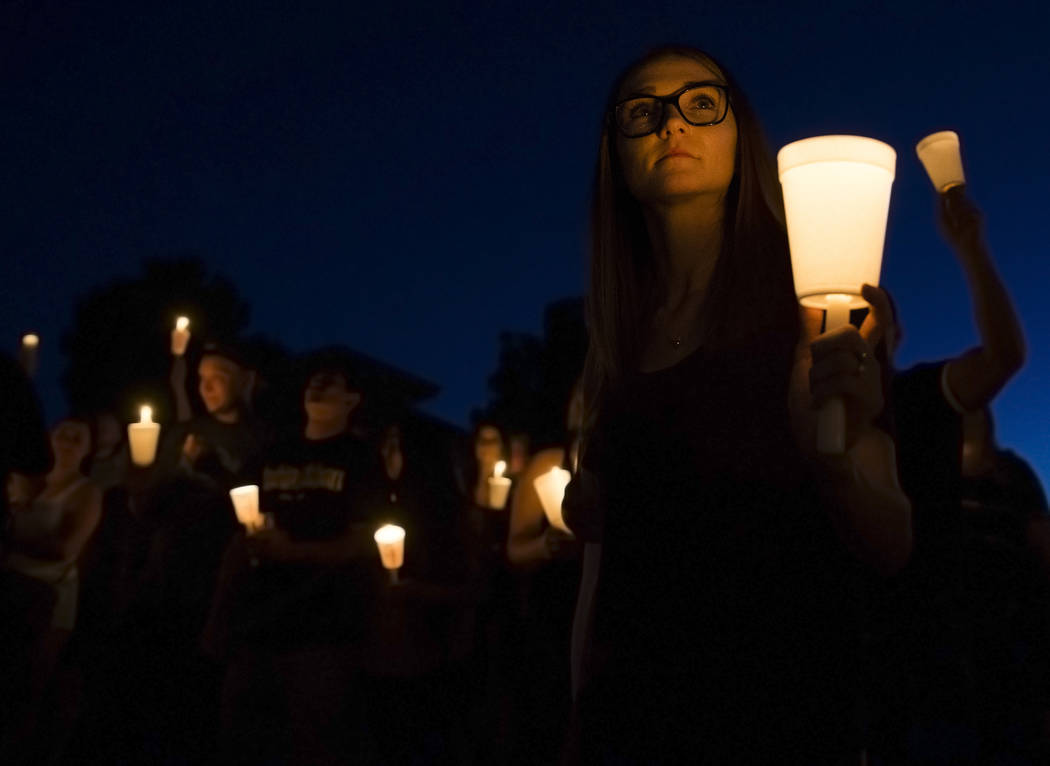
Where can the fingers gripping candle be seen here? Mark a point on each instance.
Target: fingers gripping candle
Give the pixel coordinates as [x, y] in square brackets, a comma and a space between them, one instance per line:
[836, 201]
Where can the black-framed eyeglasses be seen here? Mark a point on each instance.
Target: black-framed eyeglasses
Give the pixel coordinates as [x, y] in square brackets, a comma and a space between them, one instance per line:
[699, 103]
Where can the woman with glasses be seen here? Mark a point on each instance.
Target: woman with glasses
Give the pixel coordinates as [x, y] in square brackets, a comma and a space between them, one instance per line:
[730, 553]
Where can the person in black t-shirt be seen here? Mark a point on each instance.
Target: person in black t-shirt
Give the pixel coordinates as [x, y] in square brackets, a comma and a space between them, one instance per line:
[293, 602]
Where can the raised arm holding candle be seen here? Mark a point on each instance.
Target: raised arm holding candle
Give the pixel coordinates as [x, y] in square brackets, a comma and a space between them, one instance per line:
[720, 528]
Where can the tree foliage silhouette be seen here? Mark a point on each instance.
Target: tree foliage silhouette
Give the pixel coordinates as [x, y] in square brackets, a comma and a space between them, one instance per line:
[532, 383]
[118, 348]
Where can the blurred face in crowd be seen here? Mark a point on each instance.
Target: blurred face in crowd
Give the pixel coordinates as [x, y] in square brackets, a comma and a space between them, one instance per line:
[70, 444]
[678, 159]
[328, 399]
[390, 450]
[221, 384]
[519, 454]
[488, 445]
[108, 434]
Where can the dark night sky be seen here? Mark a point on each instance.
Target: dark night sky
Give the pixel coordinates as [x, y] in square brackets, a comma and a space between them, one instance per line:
[410, 179]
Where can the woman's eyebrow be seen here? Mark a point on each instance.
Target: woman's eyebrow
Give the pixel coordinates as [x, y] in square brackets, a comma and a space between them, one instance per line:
[647, 90]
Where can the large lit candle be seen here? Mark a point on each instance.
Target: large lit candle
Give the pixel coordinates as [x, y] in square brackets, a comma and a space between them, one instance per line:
[29, 352]
[551, 489]
[836, 199]
[499, 486]
[180, 336]
[939, 154]
[143, 437]
[246, 506]
[390, 539]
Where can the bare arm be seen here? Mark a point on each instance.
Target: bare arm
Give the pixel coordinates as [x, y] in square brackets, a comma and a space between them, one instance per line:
[77, 525]
[978, 375]
[183, 410]
[871, 513]
[528, 541]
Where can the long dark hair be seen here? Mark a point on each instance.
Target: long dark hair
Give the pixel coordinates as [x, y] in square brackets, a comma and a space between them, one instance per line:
[751, 289]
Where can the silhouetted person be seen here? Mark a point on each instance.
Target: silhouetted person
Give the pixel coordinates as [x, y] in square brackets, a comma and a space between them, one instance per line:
[48, 531]
[26, 603]
[548, 563]
[295, 624]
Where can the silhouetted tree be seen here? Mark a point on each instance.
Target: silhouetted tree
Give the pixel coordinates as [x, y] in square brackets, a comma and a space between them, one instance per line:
[530, 388]
[118, 348]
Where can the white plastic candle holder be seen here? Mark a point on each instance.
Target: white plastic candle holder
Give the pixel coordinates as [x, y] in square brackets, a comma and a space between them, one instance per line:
[550, 487]
[143, 438]
[940, 155]
[836, 201]
[390, 539]
[180, 336]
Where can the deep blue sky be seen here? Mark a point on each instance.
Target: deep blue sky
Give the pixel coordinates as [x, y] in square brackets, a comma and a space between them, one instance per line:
[411, 179]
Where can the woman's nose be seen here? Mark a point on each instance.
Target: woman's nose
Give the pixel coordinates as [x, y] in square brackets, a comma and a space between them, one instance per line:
[672, 120]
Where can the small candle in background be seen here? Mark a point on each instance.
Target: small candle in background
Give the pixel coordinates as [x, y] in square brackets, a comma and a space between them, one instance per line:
[180, 336]
[143, 438]
[940, 155]
[246, 506]
[551, 489]
[29, 353]
[499, 486]
[390, 539]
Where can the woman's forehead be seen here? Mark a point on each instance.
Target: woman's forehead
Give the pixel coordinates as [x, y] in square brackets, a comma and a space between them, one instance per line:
[666, 75]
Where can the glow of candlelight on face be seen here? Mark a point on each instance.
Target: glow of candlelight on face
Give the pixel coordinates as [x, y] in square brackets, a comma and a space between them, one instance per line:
[836, 201]
[499, 469]
[30, 340]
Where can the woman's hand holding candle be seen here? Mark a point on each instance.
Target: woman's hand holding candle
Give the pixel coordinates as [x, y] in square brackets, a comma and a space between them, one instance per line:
[839, 364]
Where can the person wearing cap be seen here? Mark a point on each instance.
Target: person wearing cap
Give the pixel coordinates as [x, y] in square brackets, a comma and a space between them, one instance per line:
[291, 610]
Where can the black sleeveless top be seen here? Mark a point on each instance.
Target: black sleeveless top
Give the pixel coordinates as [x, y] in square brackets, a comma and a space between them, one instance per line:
[724, 590]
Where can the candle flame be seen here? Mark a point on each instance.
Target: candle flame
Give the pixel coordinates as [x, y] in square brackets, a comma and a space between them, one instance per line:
[182, 323]
[500, 469]
[30, 340]
[146, 414]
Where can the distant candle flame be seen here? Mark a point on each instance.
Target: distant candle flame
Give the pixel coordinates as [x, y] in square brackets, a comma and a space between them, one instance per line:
[500, 469]
[146, 414]
[182, 323]
[30, 340]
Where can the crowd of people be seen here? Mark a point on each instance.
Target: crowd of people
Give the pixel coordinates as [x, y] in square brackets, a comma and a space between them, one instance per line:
[728, 594]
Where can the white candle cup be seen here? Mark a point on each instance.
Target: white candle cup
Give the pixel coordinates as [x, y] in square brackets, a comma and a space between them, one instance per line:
[246, 506]
[940, 155]
[29, 353]
[143, 438]
[180, 336]
[390, 539]
[836, 201]
[551, 490]
[499, 489]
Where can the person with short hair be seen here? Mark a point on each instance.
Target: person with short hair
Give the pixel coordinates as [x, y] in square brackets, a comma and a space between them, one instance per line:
[291, 611]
